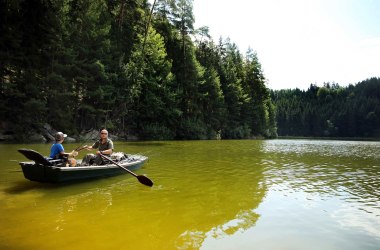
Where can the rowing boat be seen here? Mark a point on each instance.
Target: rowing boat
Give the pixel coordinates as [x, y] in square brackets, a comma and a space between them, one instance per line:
[42, 169]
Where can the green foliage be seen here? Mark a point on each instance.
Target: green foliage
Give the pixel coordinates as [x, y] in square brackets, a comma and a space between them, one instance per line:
[152, 131]
[192, 129]
[239, 132]
[331, 110]
[86, 64]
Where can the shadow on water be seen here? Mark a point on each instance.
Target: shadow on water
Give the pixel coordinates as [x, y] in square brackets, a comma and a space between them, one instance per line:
[20, 187]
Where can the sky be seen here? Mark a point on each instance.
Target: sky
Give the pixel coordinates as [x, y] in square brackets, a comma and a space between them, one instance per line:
[300, 42]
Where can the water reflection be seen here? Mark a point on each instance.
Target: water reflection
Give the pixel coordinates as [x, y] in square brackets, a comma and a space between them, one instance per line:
[327, 191]
[323, 167]
[325, 172]
[339, 149]
[353, 217]
[196, 239]
[218, 189]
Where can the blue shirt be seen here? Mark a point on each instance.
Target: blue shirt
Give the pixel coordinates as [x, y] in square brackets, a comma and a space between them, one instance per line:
[55, 150]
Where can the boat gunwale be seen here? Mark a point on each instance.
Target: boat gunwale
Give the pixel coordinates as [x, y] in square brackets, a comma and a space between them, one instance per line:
[123, 163]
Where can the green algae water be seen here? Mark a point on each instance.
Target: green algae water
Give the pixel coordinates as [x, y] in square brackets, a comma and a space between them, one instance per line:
[233, 194]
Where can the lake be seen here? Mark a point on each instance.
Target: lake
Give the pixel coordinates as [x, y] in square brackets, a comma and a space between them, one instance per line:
[227, 194]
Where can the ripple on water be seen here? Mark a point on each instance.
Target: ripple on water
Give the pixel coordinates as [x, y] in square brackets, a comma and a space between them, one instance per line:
[334, 169]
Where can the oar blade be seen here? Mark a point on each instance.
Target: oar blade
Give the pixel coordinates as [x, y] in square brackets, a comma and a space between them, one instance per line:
[142, 178]
[145, 180]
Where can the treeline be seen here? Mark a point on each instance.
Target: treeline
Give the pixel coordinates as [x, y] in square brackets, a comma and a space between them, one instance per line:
[81, 64]
[330, 111]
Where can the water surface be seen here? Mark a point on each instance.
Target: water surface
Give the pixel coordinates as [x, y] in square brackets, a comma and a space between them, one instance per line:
[248, 194]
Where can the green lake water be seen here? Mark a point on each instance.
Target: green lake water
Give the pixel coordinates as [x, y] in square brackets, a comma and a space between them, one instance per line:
[228, 194]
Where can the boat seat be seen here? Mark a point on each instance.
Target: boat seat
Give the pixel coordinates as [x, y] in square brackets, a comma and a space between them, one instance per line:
[38, 158]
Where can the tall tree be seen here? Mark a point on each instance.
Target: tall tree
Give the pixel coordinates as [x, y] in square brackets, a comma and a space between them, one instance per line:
[88, 28]
[183, 20]
[156, 111]
[28, 35]
[230, 70]
[256, 109]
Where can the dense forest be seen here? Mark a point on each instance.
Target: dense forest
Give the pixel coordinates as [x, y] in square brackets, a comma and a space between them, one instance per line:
[146, 73]
[330, 111]
[121, 64]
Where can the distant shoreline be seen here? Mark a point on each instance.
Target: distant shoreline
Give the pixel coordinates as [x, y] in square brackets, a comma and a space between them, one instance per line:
[277, 138]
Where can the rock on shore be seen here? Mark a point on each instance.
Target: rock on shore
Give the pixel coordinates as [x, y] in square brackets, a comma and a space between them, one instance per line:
[46, 134]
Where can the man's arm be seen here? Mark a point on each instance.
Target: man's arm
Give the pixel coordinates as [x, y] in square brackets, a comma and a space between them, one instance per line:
[109, 150]
[105, 152]
[94, 146]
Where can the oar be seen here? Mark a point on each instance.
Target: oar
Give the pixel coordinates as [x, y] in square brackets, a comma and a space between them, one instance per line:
[142, 178]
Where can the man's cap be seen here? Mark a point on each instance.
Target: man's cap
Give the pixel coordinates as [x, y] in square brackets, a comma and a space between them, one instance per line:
[59, 136]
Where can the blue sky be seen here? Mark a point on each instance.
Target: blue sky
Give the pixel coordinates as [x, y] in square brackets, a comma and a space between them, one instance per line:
[300, 42]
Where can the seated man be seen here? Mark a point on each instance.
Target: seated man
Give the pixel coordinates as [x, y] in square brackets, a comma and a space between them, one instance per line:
[104, 145]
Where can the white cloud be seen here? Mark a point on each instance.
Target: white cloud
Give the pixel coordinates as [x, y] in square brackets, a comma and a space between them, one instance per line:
[298, 42]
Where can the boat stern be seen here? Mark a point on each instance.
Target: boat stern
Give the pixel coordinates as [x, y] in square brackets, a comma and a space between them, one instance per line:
[37, 172]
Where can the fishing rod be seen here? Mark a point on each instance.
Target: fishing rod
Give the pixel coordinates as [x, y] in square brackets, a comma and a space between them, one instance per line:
[82, 146]
[71, 160]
